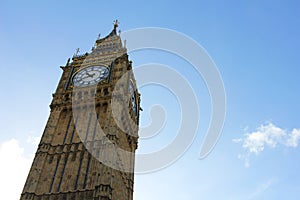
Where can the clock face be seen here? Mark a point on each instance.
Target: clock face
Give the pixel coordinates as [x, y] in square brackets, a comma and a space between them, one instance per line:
[133, 98]
[90, 76]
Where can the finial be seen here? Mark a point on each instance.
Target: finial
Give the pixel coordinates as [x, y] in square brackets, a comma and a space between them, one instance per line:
[68, 62]
[76, 52]
[116, 24]
[99, 35]
[125, 41]
[119, 31]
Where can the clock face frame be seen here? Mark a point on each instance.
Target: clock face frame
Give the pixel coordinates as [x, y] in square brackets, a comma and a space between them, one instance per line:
[90, 76]
[133, 98]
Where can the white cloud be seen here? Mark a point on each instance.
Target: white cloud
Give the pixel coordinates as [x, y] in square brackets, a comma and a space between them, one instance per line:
[33, 140]
[262, 188]
[267, 135]
[293, 139]
[13, 169]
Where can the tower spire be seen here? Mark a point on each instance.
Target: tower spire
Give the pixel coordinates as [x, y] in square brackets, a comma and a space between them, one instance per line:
[116, 24]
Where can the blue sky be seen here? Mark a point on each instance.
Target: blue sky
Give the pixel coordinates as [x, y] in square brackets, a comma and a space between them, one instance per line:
[255, 45]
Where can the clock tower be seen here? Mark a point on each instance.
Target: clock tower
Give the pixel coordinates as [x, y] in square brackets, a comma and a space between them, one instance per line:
[87, 149]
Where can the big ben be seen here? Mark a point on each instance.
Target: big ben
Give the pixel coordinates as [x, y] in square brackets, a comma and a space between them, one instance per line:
[87, 149]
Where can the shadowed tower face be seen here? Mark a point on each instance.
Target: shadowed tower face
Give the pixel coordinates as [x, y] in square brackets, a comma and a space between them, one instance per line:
[88, 145]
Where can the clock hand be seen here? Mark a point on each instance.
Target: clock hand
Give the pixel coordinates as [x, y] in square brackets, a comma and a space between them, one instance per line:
[85, 76]
[90, 75]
